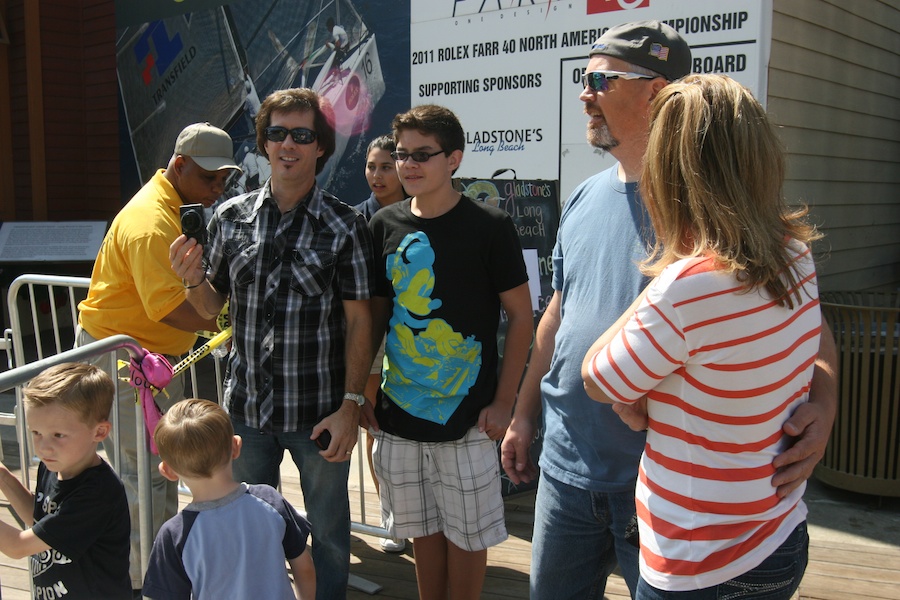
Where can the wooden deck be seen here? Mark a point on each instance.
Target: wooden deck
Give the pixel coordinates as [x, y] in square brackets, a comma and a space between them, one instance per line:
[854, 554]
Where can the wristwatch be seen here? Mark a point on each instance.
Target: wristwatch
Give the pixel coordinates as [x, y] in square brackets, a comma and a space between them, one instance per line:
[358, 398]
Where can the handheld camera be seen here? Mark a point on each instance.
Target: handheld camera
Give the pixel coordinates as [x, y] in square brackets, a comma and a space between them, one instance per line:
[193, 222]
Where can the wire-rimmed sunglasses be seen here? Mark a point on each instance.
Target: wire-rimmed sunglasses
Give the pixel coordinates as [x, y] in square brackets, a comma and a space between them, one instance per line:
[300, 135]
[598, 81]
[420, 156]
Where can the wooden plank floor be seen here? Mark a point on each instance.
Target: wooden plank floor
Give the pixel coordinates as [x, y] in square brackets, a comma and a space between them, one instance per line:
[854, 549]
[508, 564]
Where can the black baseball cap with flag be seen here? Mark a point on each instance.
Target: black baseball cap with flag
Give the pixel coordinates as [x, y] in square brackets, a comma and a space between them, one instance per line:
[649, 44]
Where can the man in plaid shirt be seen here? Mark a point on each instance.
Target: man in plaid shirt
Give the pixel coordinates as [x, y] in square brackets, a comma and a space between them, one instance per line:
[296, 264]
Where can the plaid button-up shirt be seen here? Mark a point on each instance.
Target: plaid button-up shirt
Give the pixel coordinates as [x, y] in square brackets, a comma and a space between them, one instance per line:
[314, 256]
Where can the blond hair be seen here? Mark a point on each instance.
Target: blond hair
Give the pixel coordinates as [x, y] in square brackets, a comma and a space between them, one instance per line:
[81, 388]
[712, 179]
[194, 437]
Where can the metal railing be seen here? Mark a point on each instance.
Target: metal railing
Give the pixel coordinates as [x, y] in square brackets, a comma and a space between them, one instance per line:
[44, 295]
[14, 378]
[50, 307]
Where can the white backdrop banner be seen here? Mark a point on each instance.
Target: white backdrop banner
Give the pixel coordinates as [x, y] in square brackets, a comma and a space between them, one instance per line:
[511, 70]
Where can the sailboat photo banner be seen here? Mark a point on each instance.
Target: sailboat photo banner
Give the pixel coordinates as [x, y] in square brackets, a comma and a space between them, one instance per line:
[212, 61]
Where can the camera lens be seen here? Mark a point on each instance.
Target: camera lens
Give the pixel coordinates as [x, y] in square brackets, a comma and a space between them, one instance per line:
[191, 221]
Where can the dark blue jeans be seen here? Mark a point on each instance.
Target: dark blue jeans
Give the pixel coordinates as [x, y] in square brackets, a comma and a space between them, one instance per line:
[324, 486]
[776, 578]
[579, 538]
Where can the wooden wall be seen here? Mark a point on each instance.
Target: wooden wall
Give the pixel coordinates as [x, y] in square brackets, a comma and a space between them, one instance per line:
[62, 106]
[834, 88]
[7, 188]
[80, 114]
[16, 172]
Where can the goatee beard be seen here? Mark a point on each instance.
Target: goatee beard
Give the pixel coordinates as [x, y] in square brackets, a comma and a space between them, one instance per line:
[600, 137]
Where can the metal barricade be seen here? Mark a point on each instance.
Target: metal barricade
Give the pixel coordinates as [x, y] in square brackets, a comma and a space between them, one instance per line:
[41, 333]
[43, 316]
[14, 378]
[6, 346]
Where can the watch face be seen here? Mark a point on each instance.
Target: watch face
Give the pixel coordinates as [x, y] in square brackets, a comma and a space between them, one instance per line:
[358, 398]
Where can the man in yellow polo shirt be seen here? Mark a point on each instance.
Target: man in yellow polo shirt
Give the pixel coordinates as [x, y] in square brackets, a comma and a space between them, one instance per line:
[135, 292]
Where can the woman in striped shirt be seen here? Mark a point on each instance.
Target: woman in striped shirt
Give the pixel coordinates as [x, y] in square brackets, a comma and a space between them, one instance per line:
[721, 345]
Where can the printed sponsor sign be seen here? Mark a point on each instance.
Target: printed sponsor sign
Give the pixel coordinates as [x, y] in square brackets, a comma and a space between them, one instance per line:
[512, 70]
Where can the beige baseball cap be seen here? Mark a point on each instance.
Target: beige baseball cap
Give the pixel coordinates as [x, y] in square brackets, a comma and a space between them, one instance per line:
[209, 146]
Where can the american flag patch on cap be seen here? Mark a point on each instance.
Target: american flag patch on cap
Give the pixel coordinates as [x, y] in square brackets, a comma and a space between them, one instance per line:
[659, 51]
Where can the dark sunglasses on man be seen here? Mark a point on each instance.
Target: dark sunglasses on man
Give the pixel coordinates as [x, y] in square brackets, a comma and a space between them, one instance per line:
[300, 135]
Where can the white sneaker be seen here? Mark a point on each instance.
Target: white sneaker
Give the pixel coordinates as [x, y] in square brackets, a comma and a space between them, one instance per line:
[389, 545]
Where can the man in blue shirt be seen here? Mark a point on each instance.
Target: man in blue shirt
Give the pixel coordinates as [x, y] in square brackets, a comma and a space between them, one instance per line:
[589, 460]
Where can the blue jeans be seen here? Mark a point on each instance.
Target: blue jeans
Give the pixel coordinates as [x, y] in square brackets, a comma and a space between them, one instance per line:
[324, 487]
[776, 578]
[579, 536]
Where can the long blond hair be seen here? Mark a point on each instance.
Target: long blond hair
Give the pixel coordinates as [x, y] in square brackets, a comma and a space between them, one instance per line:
[712, 179]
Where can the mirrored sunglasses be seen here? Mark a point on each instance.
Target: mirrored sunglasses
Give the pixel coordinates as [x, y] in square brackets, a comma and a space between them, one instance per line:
[598, 81]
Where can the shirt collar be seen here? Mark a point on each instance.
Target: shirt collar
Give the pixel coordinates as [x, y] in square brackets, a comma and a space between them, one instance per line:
[167, 191]
[313, 203]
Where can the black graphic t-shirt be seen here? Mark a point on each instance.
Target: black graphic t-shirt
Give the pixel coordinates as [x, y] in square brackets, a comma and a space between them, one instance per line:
[444, 277]
[85, 522]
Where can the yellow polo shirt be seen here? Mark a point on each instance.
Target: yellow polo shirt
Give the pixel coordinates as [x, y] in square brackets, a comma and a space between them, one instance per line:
[133, 285]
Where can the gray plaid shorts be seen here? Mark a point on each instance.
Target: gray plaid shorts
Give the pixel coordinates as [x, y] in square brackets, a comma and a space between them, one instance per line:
[441, 487]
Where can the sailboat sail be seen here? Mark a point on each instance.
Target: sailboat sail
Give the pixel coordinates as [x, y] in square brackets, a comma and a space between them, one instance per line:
[289, 44]
[174, 72]
[217, 64]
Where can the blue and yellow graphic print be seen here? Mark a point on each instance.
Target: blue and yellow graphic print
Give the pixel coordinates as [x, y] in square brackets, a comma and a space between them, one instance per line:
[430, 367]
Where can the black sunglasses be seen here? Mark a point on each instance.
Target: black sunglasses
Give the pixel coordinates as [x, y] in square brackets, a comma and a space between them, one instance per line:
[420, 156]
[300, 135]
[598, 81]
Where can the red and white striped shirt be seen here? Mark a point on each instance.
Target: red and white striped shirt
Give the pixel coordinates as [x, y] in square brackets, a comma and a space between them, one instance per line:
[722, 369]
